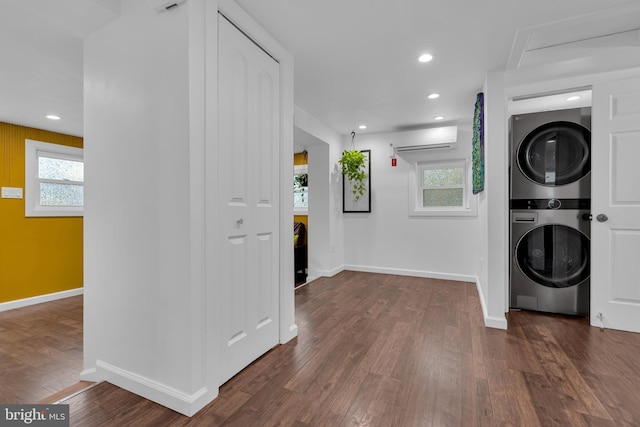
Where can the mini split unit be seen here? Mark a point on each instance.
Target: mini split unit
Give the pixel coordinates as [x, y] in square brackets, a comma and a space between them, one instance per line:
[427, 139]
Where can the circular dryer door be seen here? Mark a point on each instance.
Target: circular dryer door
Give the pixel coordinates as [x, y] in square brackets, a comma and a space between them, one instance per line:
[554, 255]
[555, 153]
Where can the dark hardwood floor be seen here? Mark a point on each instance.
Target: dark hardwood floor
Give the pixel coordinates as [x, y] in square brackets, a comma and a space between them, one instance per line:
[40, 350]
[381, 350]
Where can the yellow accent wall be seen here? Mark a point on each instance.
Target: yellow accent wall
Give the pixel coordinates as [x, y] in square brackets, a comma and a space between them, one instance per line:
[300, 159]
[38, 256]
[303, 219]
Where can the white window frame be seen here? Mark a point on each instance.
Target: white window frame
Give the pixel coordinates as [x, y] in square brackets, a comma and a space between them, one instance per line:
[298, 170]
[33, 150]
[469, 202]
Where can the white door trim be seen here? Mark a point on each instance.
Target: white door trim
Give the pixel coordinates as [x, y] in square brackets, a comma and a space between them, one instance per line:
[527, 87]
[615, 207]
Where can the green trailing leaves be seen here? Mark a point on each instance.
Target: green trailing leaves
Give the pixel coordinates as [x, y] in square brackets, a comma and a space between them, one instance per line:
[353, 168]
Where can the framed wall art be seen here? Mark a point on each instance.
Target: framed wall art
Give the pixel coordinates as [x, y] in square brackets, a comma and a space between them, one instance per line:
[477, 155]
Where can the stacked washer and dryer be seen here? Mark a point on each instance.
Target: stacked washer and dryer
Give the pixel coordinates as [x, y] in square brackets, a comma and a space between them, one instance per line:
[550, 192]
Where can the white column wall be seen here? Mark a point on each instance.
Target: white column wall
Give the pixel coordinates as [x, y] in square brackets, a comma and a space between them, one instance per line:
[144, 226]
[319, 231]
[325, 213]
[151, 295]
[494, 206]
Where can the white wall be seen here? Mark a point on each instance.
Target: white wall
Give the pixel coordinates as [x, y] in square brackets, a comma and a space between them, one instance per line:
[325, 196]
[144, 227]
[319, 232]
[494, 207]
[387, 240]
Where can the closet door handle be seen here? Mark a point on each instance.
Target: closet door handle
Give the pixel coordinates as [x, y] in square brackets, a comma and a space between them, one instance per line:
[602, 218]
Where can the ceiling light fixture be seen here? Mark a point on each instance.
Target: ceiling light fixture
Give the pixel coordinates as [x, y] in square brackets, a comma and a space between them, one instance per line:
[438, 118]
[53, 117]
[433, 95]
[425, 57]
[573, 98]
[362, 127]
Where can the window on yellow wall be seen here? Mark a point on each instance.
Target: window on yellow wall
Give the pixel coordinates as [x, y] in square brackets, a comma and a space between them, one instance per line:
[54, 184]
[300, 189]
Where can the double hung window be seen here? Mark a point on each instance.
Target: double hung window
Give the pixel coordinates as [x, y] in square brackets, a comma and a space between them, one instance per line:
[300, 189]
[54, 180]
[440, 189]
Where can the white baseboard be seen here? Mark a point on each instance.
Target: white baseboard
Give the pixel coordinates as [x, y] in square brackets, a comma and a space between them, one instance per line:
[316, 274]
[495, 322]
[310, 279]
[413, 273]
[321, 273]
[293, 332]
[90, 374]
[329, 273]
[10, 305]
[489, 321]
[186, 404]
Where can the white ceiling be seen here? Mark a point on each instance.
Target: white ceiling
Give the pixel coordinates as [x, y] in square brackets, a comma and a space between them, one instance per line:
[355, 61]
[41, 61]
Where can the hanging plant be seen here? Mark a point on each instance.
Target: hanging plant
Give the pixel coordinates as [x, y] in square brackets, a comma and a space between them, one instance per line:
[302, 180]
[352, 163]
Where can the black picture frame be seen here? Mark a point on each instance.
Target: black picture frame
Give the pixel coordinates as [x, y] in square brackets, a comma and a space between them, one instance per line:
[363, 205]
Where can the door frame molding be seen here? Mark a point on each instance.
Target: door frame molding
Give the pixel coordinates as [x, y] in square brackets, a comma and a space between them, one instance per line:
[517, 83]
[611, 308]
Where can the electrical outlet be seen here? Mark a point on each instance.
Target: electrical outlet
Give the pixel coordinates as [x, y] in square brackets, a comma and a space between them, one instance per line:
[11, 193]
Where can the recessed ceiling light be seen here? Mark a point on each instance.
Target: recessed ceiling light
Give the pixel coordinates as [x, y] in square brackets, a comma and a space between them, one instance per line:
[362, 127]
[438, 118]
[433, 95]
[53, 117]
[425, 57]
[573, 98]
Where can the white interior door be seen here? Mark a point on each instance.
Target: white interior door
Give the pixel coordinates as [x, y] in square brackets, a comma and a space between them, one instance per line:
[615, 205]
[248, 165]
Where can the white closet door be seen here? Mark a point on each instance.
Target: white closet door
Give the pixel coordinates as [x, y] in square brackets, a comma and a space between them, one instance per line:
[615, 205]
[248, 165]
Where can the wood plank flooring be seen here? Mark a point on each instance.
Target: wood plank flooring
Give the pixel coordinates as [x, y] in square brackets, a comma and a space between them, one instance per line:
[381, 350]
[373, 350]
[40, 350]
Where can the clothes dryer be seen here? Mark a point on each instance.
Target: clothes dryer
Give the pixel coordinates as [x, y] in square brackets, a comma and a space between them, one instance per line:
[550, 259]
[551, 155]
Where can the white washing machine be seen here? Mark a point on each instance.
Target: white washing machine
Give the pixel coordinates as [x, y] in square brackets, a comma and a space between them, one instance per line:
[550, 255]
[551, 155]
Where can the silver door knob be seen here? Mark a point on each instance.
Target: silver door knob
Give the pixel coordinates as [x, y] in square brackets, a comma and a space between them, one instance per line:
[602, 218]
[239, 222]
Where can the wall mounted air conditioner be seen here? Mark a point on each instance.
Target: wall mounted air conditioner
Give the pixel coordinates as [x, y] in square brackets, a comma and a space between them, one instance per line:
[427, 139]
